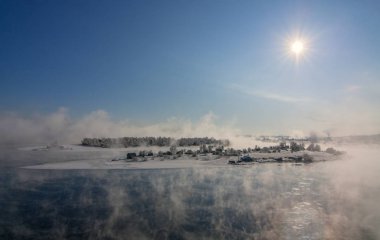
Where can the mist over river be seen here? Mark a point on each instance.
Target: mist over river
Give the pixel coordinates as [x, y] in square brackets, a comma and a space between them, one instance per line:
[325, 200]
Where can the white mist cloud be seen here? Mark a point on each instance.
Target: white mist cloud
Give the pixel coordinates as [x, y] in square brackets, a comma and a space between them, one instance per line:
[60, 126]
[349, 116]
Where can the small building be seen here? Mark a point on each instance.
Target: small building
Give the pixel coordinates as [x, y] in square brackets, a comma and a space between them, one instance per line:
[246, 159]
[150, 154]
[189, 152]
[131, 155]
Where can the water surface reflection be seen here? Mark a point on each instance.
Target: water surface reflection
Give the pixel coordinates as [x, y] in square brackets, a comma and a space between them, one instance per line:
[267, 201]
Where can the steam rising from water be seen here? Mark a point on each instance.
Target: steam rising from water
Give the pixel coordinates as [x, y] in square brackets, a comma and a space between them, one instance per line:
[60, 127]
[327, 200]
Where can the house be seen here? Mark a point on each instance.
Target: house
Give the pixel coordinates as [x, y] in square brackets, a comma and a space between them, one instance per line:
[246, 159]
[131, 155]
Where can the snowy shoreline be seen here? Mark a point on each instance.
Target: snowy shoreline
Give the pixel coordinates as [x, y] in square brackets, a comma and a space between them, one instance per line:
[205, 160]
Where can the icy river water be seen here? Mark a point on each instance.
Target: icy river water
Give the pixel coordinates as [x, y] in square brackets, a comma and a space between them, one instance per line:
[326, 200]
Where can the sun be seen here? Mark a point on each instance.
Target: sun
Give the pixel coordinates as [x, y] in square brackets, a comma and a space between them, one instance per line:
[297, 47]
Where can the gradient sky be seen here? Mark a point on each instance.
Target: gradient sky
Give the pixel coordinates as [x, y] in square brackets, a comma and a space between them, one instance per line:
[148, 61]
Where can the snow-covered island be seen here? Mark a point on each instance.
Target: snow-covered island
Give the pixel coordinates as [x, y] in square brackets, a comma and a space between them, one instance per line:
[191, 155]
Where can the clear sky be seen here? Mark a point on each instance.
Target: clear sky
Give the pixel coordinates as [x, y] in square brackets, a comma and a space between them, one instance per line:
[147, 61]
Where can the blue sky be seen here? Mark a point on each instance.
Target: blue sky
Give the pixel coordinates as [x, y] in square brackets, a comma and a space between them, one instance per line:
[148, 61]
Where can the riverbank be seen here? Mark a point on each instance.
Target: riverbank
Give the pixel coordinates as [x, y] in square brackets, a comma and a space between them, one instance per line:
[186, 161]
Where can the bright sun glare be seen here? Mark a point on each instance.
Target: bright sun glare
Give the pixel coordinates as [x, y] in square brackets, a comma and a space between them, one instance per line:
[297, 47]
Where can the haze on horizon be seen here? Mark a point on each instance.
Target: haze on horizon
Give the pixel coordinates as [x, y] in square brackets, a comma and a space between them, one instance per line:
[217, 68]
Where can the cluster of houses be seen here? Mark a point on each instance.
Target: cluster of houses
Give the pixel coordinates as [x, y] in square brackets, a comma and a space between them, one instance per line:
[242, 156]
[305, 158]
[203, 150]
[173, 152]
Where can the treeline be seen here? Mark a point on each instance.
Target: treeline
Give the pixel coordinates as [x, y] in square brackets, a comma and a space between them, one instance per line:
[201, 141]
[151, 141]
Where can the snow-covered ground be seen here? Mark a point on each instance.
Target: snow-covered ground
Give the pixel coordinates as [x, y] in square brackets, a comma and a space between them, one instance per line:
[156, 162]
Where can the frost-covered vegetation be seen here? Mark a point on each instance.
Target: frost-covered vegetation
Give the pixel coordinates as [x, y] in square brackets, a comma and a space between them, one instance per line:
[283, 152]
[151, 141]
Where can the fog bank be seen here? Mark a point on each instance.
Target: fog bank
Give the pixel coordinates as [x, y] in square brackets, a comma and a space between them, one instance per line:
[61, 127]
